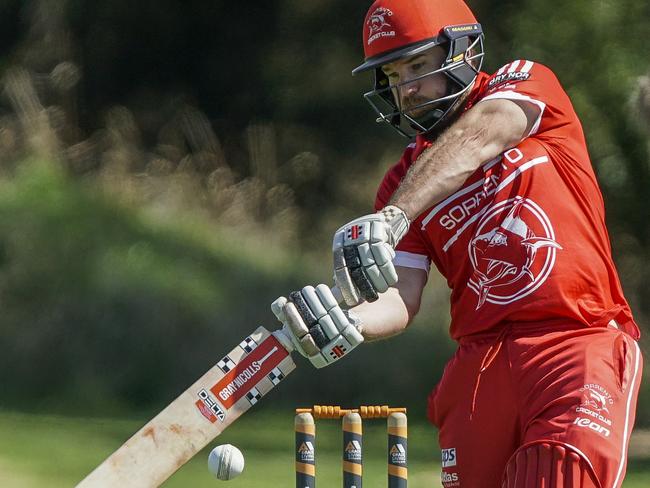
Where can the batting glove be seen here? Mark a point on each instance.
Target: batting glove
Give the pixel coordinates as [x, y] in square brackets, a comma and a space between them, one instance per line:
[317, 326]
[364, 250]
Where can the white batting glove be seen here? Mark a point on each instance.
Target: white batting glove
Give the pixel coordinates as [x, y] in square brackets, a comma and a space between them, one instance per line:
[364, 250]
[317, 326]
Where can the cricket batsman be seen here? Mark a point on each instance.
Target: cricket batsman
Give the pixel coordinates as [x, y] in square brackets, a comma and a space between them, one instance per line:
[496, 189]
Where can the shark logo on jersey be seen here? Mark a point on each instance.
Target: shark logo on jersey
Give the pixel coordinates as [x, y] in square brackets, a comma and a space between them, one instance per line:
[512, 254]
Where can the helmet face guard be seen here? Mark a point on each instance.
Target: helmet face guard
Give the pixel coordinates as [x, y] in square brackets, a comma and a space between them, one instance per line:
[461, 66]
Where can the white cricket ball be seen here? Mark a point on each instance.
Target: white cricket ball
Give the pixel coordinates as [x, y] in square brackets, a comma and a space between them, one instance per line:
[226, 462]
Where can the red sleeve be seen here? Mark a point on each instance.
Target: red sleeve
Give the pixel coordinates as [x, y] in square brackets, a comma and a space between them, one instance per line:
[412, 250]
[537, 84]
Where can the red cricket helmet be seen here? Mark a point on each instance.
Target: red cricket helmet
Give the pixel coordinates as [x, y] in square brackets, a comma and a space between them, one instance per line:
[395, 29]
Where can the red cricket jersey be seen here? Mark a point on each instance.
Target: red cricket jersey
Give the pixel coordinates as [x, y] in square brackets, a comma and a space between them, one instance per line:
[524, 238]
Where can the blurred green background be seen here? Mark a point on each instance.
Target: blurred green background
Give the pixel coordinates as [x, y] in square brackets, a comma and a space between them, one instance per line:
[168, 168]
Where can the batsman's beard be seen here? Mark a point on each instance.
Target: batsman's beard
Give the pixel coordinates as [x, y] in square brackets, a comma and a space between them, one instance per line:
[415, 106]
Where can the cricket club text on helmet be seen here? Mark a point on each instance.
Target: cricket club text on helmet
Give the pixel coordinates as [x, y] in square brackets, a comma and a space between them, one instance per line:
[395, 29]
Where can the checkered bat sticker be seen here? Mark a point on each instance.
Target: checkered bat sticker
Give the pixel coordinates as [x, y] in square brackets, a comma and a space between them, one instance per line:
[237, 382]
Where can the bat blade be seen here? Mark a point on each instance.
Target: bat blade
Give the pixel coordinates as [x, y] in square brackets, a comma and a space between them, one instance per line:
[197, 416]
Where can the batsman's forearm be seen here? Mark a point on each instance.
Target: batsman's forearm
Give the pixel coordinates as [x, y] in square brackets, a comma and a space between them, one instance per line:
[383, 318]
[480, 135]
[440, 170]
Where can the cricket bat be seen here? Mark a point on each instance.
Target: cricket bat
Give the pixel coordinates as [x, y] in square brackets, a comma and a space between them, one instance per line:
[197, 416]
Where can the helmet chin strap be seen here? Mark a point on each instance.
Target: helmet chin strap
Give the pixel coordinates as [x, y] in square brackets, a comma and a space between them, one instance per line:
[438, 120]
[428, 120]
[434, 118]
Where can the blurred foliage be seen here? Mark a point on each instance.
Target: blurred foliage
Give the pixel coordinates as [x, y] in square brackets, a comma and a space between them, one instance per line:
[105, 308]
[195, 157]
[108, 309]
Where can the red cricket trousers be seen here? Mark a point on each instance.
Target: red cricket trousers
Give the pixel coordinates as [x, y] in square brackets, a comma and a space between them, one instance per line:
[573, 385]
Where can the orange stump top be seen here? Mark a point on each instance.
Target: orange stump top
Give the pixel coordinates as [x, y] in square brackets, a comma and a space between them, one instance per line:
[365, 411]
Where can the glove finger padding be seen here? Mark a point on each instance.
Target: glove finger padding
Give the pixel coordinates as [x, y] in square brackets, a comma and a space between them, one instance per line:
[301, 305]
[363, 253]
[277, 307]
[326, 297]
[382, 254]
[343, 280]
[388, 273]
[319, 336]
[354, 266]
[363, 283]
[379, 232]
[374, 274]
[308, 345]
[339, 318]
[317, 326]
[310, 308]
[299, 331]
[329, 328]
[315, 301]
[352, 335]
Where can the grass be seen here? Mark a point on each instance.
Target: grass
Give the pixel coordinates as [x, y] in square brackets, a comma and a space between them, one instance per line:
[39, 450]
